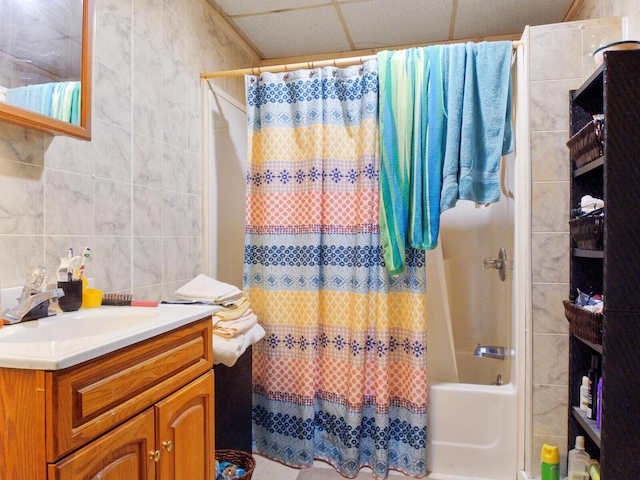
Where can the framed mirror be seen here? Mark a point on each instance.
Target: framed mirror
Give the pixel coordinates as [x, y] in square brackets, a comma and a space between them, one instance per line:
[45, 65]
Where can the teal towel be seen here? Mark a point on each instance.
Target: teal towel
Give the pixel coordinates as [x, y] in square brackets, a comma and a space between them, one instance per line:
[486, 130]
[76, 104]
[410, 172]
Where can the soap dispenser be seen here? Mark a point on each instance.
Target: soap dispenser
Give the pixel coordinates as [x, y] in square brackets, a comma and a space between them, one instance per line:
[579, 461]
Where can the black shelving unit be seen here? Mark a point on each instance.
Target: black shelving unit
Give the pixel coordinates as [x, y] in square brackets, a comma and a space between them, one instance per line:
[613, 90]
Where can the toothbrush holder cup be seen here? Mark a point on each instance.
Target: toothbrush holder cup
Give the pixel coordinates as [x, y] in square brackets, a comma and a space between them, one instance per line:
[72, 299]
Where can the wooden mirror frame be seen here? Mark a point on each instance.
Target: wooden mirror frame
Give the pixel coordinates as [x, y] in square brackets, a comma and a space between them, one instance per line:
[27, 118]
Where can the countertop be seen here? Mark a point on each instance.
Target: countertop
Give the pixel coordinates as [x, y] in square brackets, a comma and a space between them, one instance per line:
[67, 339]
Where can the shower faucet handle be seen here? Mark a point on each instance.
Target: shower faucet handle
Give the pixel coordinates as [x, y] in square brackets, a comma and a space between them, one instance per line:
[499, 263]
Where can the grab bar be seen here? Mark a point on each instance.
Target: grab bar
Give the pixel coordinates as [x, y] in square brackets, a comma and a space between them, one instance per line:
[493, 352]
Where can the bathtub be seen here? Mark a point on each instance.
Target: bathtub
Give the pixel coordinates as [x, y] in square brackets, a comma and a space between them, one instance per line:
[472, 431]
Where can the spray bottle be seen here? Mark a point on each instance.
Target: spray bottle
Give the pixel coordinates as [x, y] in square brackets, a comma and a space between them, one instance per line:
[550, 464]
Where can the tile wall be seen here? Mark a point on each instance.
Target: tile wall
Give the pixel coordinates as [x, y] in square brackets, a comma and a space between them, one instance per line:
[132, 194]
[560, 60]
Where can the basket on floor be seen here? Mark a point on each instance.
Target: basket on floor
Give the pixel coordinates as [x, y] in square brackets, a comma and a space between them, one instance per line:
[242, 459]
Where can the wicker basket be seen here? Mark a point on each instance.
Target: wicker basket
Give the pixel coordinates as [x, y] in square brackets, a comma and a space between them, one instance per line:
[242, 459]
[586, 145]
[587, 231]
[583, 323]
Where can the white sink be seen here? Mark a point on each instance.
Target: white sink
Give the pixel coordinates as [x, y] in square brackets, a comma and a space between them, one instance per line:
[67, 339]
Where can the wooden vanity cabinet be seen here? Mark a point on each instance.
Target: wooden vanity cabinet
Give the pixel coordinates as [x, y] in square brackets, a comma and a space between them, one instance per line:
[142, 412]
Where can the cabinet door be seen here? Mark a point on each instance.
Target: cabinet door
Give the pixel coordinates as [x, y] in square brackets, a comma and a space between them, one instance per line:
[122, 453]
[185, 432]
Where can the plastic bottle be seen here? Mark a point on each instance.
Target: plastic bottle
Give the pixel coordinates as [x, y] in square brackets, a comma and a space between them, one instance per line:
[579, 461]
[594, 373]
[550, 463]
[584, 394]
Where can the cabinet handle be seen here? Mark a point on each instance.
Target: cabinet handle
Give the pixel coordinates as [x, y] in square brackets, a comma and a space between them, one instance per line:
[168, 445]
[154, 455]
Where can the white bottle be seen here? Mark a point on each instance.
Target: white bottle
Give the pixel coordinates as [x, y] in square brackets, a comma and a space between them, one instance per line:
[584, 394]
[579, 461]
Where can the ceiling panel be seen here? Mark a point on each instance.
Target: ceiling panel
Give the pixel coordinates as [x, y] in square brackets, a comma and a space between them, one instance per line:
[241, 7]
[279, 29]
[381, 23]
[294, 32]
[501, 17]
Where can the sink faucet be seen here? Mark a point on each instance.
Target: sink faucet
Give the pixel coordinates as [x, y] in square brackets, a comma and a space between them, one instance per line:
[34, 301]
[31, 306]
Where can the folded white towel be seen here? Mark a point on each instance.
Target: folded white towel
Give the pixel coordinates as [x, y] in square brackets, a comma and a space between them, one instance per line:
[229, 328]
[204, 288]
[228, 350]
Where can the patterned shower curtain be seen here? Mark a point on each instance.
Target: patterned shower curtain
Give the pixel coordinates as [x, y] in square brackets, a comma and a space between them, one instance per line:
[341, 373]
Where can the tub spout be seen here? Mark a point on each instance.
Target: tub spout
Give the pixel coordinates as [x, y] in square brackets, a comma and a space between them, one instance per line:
[493, 352]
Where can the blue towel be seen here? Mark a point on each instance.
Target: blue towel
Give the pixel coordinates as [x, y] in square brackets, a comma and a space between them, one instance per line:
[486, 130]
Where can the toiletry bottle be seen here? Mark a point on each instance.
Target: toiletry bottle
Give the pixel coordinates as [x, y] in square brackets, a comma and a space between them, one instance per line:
[593, 385]
[600, 405]
[579, 461]
[584, 394]
[550, 463]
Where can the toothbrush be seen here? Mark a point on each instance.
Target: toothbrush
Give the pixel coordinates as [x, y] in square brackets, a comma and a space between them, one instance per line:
[86, 254]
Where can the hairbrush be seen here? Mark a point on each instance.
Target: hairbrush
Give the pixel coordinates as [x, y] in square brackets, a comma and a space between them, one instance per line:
[125, 299]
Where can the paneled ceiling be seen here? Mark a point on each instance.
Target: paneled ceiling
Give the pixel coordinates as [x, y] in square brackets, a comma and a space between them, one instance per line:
[299, 28]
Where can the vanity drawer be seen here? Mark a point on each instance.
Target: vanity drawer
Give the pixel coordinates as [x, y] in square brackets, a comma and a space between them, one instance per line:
[89, 399]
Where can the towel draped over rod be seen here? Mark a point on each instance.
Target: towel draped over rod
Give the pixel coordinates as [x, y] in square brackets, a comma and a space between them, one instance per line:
[336, 62]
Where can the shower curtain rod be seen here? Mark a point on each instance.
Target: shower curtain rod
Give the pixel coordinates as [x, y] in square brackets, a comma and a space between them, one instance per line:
[289, 67]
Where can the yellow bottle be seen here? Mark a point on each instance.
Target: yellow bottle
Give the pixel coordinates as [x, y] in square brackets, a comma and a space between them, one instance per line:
[550, 463]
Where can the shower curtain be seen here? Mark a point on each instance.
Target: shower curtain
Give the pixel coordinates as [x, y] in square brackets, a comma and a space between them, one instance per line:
[341, 373]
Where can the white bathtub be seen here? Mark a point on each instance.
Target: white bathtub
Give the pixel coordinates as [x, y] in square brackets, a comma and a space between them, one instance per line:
[472, 431]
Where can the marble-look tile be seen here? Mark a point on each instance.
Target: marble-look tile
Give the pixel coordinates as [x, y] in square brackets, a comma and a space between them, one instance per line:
[548, 312]
[70, 154]
[547, 350]
[194, 215]
[112, 96]
[595, 36]
[194, 173]
[149, 292]
[112, 152]
[147, 261]
[17, 253]
[113, 260]
[147, 19]
[175, 259]
[550, 104]
[21, 199]
[113, 208]
[147, 110]
[147, 161]
[549, 156]
[550, 257]
[550, 207]
[174, 123]
[119, 8]
[194, 259]
[193, 131]
[174, 213]
[112, 45]
[550, 410]
[174, 169]
[147, 65]
[21, 144]
[174, 43]
[69, 200]
[553, 53]
[147, 211]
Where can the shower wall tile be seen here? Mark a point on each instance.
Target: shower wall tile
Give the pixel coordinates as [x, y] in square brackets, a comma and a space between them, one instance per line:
[549, 156]
[21, 145]
[147, 19]
[550, 104]
[147, 211]
[550, 206]
[552, 356]
[550, 410]
[174, 169]
[112, 95]
[112, 44]
[147, 161]
[147, 261]
[21, 198]
[17, 253]
[113, 263]
[113, 208]
[111, 151]
[552, 54]
[547, 313]
[69, 202]
[550, 257]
